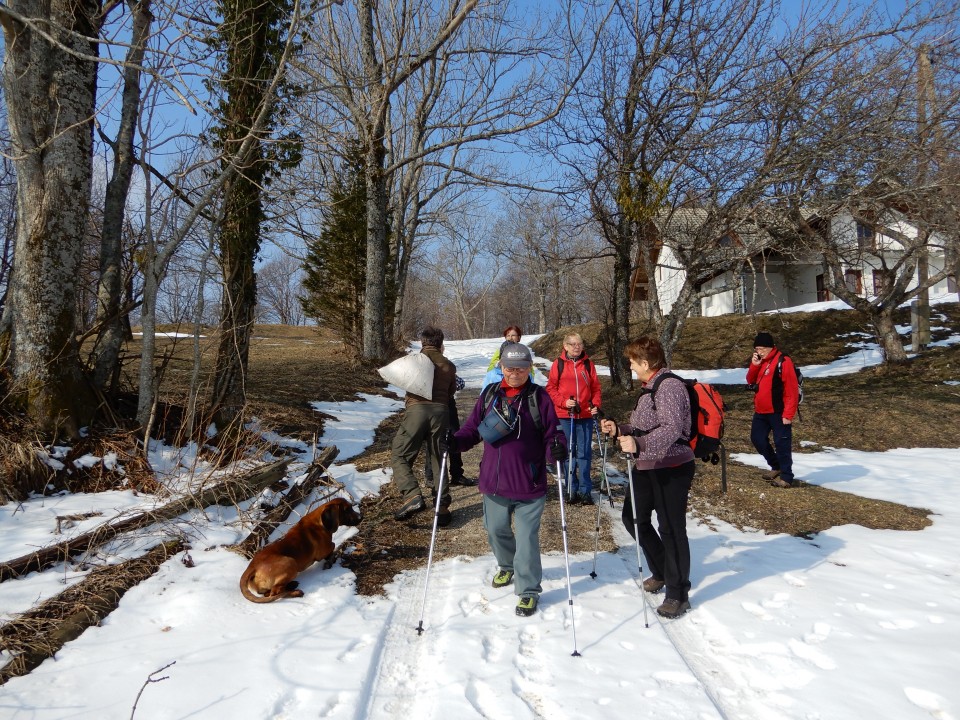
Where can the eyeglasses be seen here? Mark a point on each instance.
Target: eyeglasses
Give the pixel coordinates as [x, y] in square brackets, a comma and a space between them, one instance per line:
[516, 370]
[574, 344]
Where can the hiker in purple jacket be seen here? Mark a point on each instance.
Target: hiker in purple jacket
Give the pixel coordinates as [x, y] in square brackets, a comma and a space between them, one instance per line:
[513, 471]
[658, 439]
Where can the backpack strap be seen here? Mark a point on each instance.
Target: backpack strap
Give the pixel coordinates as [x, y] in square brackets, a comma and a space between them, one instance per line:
[652, 392]
[532, 398]
[561, 361]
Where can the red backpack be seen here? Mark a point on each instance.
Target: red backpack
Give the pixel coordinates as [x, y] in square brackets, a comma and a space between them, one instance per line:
[706, 421]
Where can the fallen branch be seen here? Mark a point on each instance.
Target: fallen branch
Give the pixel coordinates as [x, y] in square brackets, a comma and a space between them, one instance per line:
[227, 491]
[37, 634]
[298, 493]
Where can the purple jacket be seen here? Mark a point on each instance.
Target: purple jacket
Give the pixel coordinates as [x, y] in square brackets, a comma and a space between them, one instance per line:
[669, 426]
[515, 466]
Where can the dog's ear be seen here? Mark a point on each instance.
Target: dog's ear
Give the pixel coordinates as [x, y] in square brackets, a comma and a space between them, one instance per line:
[330, 518]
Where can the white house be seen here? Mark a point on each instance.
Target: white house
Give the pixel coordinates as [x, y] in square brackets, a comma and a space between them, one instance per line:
[772, 278]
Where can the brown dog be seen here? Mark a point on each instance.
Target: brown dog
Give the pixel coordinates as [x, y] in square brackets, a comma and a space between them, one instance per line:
[272, 570]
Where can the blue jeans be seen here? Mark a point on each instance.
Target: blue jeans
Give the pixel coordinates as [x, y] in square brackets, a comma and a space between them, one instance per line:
[580, 449]
[779, 454]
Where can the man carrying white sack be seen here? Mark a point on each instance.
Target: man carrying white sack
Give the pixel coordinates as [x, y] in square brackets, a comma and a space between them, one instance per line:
[424, 420]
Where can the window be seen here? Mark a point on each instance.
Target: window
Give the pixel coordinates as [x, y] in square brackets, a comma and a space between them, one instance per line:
[822, 293]
[866, 237]
[854, 281]
[882, 281]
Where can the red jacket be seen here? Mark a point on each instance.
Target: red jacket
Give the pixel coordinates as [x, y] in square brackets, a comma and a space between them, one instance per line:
[579, 380]
[763, 376]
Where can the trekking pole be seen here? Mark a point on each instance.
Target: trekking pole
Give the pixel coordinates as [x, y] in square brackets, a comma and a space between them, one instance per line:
[596, 540]
[573, 447]
[566, 557]
[636, 535]
[433, 537]
[604, 480]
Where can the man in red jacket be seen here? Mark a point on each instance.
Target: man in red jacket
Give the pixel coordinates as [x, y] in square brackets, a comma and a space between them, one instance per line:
[574, 387]
[774, 405]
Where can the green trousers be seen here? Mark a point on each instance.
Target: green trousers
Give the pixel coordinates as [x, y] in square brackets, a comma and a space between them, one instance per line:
[422, 423]
[516, 549]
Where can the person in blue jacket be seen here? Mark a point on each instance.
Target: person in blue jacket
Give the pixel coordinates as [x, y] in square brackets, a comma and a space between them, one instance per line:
[513, 471]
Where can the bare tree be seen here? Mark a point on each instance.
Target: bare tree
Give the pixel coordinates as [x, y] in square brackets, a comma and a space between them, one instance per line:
[847, 143]
[279, 281]
[417, 84]
[662, 96]
[467, 263]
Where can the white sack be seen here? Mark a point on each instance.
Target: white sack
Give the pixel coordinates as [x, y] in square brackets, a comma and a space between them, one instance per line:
[413, 373]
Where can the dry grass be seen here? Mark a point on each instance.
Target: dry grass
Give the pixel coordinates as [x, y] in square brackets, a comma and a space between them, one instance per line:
[874, 410]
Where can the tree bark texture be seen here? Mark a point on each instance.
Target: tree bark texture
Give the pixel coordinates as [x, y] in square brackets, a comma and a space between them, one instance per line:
[250, 42]
[50, 96]
[113, 329]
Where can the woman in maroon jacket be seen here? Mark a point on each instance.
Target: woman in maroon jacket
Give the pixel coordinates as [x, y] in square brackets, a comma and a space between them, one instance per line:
[774, 406]
[658, 437]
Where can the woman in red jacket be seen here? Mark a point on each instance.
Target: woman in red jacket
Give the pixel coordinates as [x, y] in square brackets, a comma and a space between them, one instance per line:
[774, 405]
[574, 387]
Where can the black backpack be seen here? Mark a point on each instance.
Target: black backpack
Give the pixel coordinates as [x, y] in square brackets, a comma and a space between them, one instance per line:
[561, 361]
[490, 393]
[777, 386]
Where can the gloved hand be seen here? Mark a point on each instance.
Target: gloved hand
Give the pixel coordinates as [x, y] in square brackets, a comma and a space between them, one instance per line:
[558, 451]
[447, 441]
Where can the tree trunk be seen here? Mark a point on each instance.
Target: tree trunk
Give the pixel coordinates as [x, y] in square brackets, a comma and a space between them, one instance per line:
[890, 343]
[239, 243]
[50, 96]
[113, 328]
[377, 190]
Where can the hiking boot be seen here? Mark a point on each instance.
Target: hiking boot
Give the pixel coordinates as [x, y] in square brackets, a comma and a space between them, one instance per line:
[653, 584]
[781, 483]
[502, 578]
[672, 608]
[587, 499]
[770, 475]
[410, 508]
[463, 482]
[444, 516]
[527, 606]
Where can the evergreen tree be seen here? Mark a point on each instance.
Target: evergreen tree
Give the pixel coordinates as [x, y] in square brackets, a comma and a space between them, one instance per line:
[335, 265]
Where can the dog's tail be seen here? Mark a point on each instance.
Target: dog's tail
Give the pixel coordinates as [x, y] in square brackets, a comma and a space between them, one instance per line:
[245, 588]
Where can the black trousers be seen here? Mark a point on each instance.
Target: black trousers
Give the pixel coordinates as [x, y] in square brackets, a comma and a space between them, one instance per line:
[666, 548]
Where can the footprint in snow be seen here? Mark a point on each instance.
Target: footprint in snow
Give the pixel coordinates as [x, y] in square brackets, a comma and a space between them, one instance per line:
[812, 655]
[351, 652]
[757, 610]
[792, 579]
[492, 648]
[897, 624]
[474, 603]
[482, 697]
[929, 701]
[819, 633]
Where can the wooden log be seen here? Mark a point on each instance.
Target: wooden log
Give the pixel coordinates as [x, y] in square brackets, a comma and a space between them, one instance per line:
[233, 489]
[37, 634]
[297, 494]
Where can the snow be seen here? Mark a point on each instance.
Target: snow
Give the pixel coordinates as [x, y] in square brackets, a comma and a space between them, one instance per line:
[849, 623]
